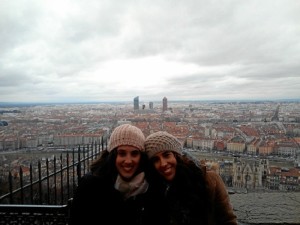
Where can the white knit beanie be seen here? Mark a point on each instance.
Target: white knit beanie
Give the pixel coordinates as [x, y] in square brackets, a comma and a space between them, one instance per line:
[126, 134]
[162, 141]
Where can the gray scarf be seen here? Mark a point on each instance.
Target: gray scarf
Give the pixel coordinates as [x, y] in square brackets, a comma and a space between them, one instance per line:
[137, 185]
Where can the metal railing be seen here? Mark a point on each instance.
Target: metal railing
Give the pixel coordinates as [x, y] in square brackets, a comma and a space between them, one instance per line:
[12, 214]
[44, 194]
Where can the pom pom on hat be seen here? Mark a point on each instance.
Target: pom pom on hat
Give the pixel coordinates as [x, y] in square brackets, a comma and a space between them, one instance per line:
[162, 141]
[126, 134]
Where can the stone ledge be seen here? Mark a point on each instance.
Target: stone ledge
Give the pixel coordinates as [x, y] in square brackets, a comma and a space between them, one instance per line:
[267, 208]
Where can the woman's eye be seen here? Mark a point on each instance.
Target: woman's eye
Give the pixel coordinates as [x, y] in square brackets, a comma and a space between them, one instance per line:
[135, 153]
[121, 154]
[155, 159]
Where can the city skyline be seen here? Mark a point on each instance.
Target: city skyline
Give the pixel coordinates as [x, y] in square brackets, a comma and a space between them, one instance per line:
[146, 103]
[70, 51]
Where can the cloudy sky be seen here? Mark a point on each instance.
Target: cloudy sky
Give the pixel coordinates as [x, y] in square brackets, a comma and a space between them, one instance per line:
[114, 50]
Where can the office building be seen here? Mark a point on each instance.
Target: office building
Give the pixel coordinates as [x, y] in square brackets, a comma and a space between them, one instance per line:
[165, 104]
[136, 103]
[150, 105]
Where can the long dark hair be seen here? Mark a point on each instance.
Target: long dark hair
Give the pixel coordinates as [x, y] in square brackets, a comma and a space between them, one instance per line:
[193, 173]
[191, 179]
[188, 186]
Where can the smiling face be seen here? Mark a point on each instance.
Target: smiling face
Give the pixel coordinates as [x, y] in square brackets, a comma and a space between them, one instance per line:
[165, 163]
[127, 161]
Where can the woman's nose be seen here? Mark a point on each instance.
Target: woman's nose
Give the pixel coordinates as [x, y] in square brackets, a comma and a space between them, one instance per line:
[128, 158]
[163, 162]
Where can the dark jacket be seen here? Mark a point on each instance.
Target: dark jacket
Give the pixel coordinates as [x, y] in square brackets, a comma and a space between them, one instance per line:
[96, 201]
[194, 197]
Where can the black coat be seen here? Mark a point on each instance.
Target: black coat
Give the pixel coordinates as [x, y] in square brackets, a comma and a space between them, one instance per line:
[96, 201]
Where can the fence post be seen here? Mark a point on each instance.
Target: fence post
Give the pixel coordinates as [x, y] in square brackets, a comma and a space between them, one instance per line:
[10, 188]
[21, 185]
[40, 183]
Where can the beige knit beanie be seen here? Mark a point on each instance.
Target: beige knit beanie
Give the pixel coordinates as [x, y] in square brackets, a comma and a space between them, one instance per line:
[126, 134]
[161, 141]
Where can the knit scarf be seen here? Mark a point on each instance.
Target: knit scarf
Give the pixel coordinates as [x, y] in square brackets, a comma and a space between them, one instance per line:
[137, 185]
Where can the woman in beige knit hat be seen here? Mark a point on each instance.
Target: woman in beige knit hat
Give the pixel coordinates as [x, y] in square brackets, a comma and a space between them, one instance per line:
[189, 195]
[116, 185]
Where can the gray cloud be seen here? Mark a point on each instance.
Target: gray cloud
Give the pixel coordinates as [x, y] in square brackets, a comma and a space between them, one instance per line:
[116, 50]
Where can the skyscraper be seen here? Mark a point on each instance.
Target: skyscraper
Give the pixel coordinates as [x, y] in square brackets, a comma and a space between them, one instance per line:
[150, 105]
[165, 104]
[136, 103]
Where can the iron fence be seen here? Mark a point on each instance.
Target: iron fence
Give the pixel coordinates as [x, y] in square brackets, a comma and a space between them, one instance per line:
[53, 181]
[11, 214]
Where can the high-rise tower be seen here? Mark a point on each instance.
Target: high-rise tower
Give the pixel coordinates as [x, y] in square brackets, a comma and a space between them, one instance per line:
[165, 104]
[150, 105]
[136, 103]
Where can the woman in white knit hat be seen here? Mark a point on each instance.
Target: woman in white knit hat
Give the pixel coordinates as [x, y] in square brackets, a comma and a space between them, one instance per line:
[189, 194]
[116, 185]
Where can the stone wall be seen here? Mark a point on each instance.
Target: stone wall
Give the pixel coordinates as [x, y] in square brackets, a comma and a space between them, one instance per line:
[267, 207]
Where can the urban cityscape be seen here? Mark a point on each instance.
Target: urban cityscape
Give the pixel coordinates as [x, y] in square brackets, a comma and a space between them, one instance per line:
[221, 76]
[252, 145]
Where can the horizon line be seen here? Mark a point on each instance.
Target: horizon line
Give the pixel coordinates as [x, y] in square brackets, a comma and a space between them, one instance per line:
[126, 101]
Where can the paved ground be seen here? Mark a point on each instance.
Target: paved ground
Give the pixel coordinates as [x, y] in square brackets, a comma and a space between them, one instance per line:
[267, 208]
